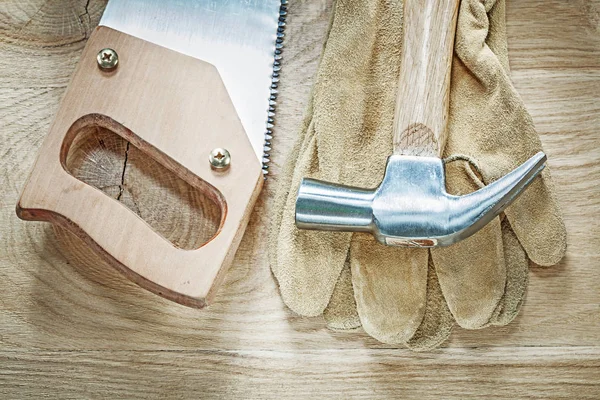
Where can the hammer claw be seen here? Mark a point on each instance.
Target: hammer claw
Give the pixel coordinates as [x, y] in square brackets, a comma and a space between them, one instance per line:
[483, 205]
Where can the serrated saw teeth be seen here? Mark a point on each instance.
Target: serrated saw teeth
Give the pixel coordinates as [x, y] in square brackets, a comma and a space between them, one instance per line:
[277, 56]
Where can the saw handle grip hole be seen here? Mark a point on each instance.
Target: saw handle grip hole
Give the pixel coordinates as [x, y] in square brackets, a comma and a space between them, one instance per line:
[184, 210]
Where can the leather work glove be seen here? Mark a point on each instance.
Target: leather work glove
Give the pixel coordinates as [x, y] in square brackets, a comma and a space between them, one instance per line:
[400, 295]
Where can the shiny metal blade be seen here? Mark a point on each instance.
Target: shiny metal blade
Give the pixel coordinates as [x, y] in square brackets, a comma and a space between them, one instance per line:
[239, 37]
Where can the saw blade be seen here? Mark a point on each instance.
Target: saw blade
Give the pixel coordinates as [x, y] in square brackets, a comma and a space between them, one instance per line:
[243, 39]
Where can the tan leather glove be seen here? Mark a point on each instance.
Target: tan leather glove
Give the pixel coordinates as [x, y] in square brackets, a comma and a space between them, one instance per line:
[406, 295]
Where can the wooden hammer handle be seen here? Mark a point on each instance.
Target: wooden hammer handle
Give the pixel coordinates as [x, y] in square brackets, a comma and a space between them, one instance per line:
[423, 96]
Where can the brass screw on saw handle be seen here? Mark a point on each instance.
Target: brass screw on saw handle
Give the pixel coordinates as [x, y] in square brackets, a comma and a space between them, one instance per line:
[108, 59]
[219, 159]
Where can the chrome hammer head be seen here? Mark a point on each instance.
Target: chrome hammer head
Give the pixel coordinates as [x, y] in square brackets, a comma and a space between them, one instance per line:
[411, 206]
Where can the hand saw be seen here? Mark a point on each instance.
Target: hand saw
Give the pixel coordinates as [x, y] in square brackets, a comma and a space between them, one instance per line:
[192, 84]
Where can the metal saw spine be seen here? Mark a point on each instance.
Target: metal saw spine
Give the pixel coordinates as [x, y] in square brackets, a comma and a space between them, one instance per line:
[274, 85]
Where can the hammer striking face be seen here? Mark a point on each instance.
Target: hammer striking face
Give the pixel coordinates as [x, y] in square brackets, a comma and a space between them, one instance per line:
[411, 206]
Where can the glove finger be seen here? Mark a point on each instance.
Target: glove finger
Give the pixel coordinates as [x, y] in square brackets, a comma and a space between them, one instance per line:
[472, 272]
[517, 277]
[355, 91]
[489, 122]
[390, 288]
[438, 320]
[306, 264]
[536, 219]
[341, 313]
[283, 183]
[472, 276]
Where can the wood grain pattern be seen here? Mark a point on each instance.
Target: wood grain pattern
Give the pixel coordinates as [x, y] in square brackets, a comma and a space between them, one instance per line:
[428, 42]
[175, 112]
[180, 213]
[342, 374]
[72, 327]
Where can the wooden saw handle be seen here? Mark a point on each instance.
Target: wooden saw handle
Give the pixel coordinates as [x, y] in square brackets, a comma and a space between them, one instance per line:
[424, 85]
[176, 110]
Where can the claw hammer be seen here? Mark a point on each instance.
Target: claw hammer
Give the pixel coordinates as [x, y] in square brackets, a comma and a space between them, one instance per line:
[411, 206]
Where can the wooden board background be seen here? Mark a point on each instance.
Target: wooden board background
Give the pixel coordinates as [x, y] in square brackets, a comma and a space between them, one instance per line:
[74, 330]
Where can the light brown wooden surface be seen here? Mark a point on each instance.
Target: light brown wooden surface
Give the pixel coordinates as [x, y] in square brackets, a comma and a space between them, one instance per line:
[426, 62]
[72, 327]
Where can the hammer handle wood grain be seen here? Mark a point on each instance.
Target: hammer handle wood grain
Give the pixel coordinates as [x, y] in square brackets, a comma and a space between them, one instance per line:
[424, 85]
